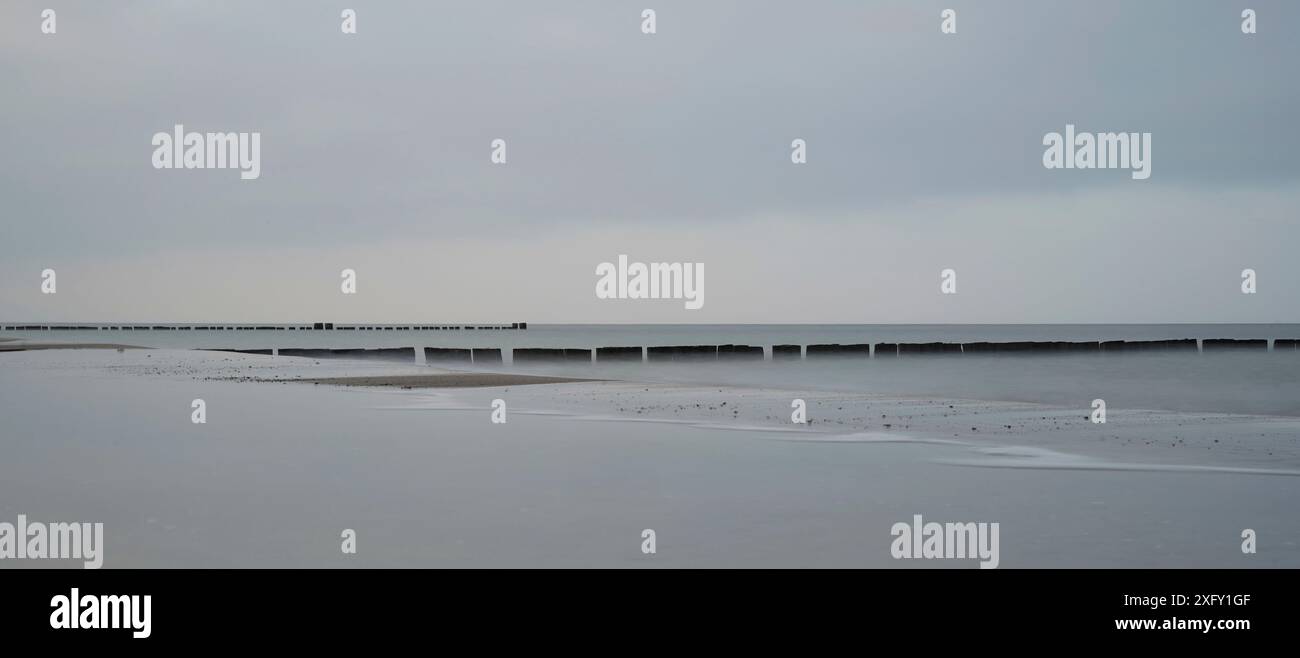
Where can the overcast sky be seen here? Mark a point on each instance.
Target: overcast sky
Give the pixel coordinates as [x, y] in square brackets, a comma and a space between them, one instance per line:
[924, 153]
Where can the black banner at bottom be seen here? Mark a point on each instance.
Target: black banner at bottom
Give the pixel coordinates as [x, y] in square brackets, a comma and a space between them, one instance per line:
[1120, 607]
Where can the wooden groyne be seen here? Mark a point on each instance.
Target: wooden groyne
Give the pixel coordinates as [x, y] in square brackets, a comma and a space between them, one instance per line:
[784, 352]
[660, 353]
[1188, 344]
[740, 352]
[837, 350]
[550, 355]
[487, 355]
[1215, 344]
[448, 355]
[787, 352]
[620, 354]
[493, 356]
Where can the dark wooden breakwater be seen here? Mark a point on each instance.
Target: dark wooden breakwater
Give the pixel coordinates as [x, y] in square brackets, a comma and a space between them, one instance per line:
[786, 352]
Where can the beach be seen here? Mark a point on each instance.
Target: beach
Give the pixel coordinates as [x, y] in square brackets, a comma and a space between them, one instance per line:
[288, 459]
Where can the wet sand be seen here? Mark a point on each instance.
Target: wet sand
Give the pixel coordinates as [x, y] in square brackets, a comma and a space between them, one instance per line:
[997, 434]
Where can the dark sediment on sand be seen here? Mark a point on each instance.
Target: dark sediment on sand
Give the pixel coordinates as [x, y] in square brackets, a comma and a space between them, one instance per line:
[386, 353]
[440, 380]
[68, 346]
